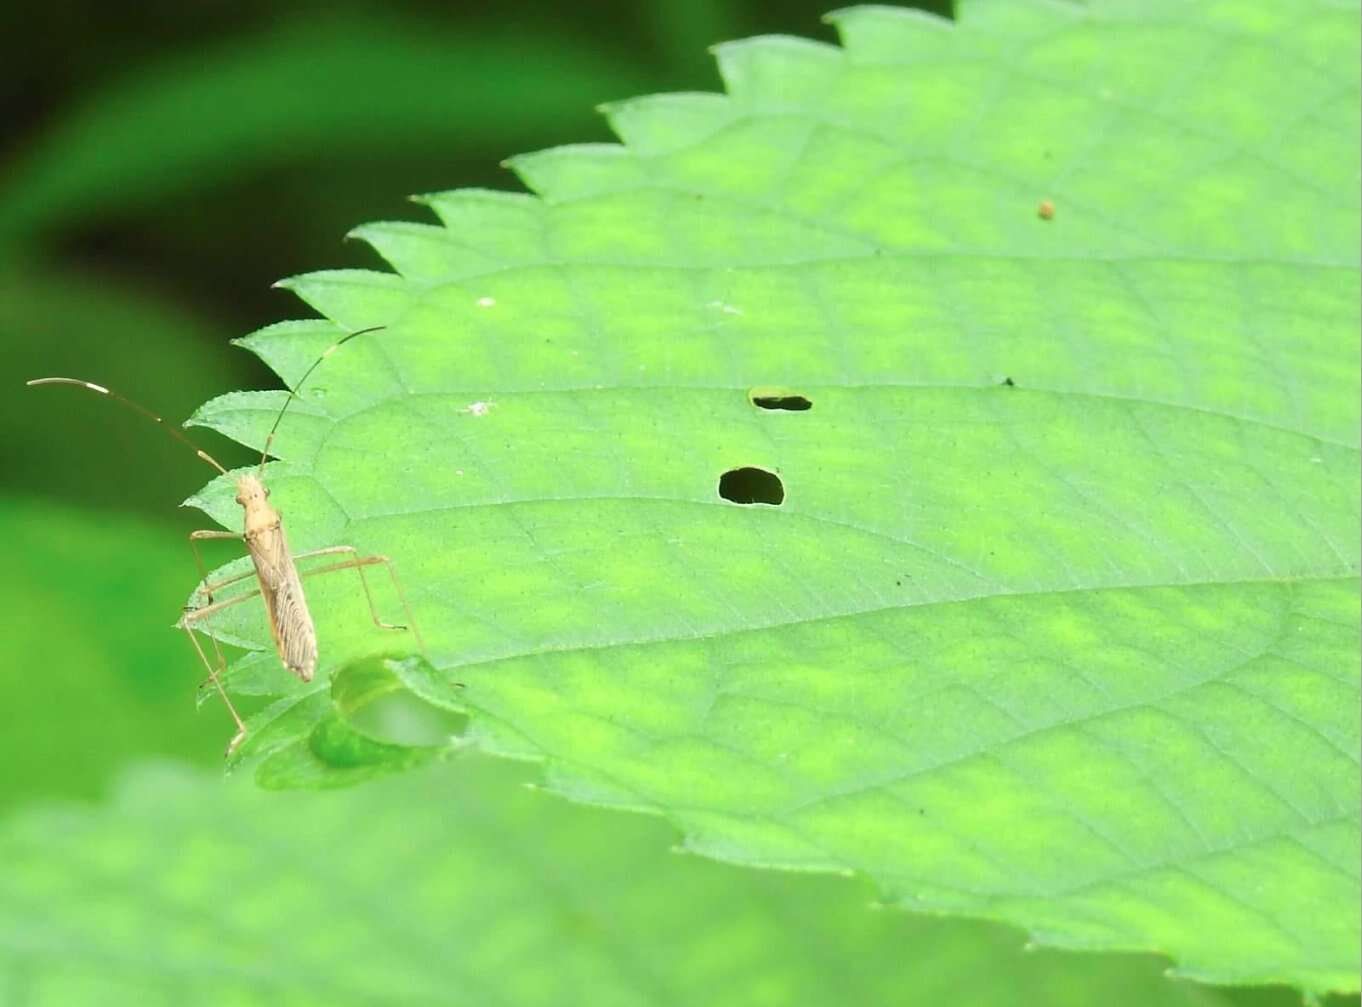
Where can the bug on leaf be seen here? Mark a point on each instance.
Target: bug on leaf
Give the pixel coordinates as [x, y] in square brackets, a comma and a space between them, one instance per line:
[278, 579]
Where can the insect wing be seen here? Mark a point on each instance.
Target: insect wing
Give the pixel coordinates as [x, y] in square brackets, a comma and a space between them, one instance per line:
[295, 636]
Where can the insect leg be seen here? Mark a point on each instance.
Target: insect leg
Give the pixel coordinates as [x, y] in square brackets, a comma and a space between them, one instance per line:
[402, 596]
[359, 563]
[194, 615]
[240, 735]
[194, 538]
[208, 589]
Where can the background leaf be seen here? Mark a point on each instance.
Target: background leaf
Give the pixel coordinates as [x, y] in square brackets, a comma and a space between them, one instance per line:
[87, 685]
[339, 88]
[72, 445]
[459, 886]
[1057, 620]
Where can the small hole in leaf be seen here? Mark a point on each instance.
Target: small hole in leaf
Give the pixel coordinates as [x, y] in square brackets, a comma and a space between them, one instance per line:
[748, 486]
[779, 398]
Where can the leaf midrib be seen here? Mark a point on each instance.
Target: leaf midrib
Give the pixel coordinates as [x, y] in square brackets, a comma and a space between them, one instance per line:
[541, 650]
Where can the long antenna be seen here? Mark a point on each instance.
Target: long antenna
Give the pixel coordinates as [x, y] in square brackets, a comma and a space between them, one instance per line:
[135, 407]
[293, 392]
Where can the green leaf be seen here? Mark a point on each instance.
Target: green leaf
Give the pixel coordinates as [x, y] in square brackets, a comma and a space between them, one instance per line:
[1056, 621]
[369, 726]
[462, 887]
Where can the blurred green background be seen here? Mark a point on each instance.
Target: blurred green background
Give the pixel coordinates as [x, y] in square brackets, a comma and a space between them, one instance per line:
[163, 165]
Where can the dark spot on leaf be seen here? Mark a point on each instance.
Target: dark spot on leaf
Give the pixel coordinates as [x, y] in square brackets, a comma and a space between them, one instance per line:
[750, 485]
[1008, 383]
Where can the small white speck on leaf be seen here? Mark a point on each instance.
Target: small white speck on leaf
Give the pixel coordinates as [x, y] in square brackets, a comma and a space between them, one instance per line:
[486, 302]
[478, 408]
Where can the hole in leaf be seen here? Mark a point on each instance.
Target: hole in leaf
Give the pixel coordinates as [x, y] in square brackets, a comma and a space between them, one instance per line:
[790, 403]
[779, 398]
[750, 485]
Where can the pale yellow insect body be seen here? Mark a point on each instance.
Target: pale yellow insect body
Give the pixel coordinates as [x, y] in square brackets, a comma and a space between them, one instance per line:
[291, 626]
[280, 585]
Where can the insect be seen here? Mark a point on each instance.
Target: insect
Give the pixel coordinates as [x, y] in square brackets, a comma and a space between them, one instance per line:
[279, 582]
